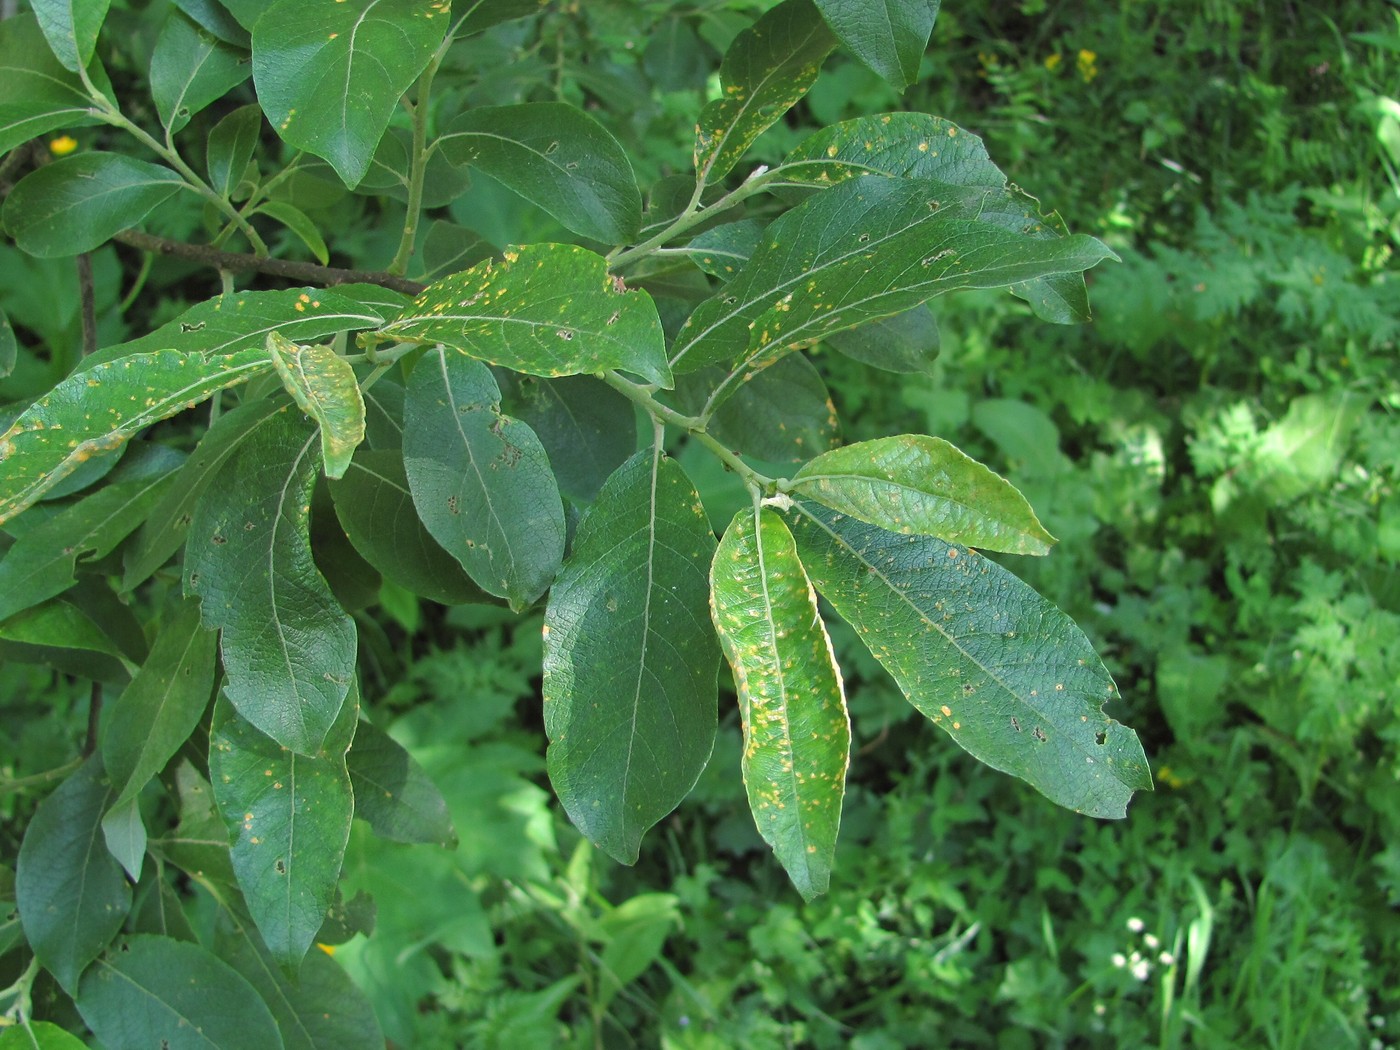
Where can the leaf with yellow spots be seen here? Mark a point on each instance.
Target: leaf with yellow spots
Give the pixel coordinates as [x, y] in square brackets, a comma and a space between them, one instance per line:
[330, 73]
[924, 485]
[324, 387]
[901, 145]
[889, 36]
[768, 68]
[545, 309]
[1001, 670]
[288, 818]
[797, 734]
[630, 659]
[100, 409]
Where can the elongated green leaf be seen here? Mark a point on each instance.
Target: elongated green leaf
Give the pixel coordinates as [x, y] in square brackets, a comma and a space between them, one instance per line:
[160, 707]
[723, 250]
[630, 660]
[767, 68]
[324, 386]
[159, 992]
[902, 145]
[797, 734]
[42, 562]
[71, 893]
[1005, 673]
[583, 425]
[217, 18]
[191, 68]
[330, 72]
[300, 224]
[546, 310]
[40, 95]
[71, 27]
[375, 507]
[478, 15]
[904, 343]
[868, 248]
[393, 792]
[288, 648]
[230, 148]
[58, 632]
[289, 818]
[557, 157]
[9, 346]
[125, 834]
[78, 203]
[924, 485]
[889, 36]
[481, 480]
[199, 845]
[166, 526]
[781, 413]
[98, 410]
[39, 1035]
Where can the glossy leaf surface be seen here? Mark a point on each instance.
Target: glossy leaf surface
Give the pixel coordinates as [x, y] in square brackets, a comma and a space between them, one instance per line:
[1000, 669]
[797, 734]
[191, 68]
[329, 73]
[924, 485]
[394, 793]
[889, 36]
[98, 410]
[901, 145]
[630, 659]
[481, 480]
[288, 648]
[324, 386]
[546, 310]
[555, 156]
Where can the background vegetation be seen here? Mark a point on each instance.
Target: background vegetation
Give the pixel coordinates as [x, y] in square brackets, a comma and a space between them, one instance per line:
[1217, 454]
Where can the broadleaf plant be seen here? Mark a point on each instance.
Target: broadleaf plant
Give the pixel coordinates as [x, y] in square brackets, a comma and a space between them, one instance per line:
[203, 516]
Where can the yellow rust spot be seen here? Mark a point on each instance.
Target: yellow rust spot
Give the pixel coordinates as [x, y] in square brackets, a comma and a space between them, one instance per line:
[946, 709]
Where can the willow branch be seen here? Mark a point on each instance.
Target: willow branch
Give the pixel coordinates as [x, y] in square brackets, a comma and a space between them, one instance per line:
[291, 269]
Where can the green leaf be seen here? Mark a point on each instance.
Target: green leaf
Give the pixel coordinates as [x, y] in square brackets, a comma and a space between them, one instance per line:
[583, 425]
[556, 157]
[9, 346]
[161, 706]
[43, 560]
[80, 202]
[39, 1035]
[722, 250]
[330, 73]
[230, 148]
[40, 95]
[903, 343]
[868, 248]
[481, 480]
[166, 526]
[58, 632]
[889, 36]
[288, 648]
[71, 28]
[393, 792]
[797, 734]
[190, 68]
[217, 18]
[71, 893]
[782, 413]
[324, 387]
[901, 145]
[98, 410]
[768, 68]
[300, 224]
[480, 15]
[630, 660]
[199, 845]
[546, 310]
[289, 818]
[375, 507]
[925, 486]
[125, 835]
[1000, 669]
[159, 992]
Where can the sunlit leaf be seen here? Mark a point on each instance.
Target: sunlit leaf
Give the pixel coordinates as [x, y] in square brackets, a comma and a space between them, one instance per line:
[324, 387]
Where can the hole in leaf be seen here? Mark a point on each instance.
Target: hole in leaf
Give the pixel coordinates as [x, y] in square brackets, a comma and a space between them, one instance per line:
[280, 866]
[1101, 739]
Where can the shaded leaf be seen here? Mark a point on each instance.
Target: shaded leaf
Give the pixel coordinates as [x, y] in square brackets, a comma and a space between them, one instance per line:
[324, 386]
[288, 648]
[190, 68]
[768, 68]
[9, 346]
[555, 156]
[393, 792]
[329, 73]
[71, 28]
[230, 148]
[288, 816]
[722, 250]
[924, 485]
[40, 95]
[781, 413]
[902, 343]
[546, 310]
[159, 992]
[797, 734]
[300, 224]
[80, 202]
[479, 15]
[1000, 669]
[481, 480]
[57, 632]
[630, 660]
[889, 36]
[71, 893]
[582, 424]
[125, 835]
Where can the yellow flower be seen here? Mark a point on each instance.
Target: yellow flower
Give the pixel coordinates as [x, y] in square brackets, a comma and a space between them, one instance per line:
[329, 949]
[63, 145]
[1171, 779]
[1085, 62]
[1052, 62]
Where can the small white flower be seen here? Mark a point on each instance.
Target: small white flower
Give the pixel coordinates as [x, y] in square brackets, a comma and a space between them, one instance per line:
[1141, 969]
[1166, 958]
[1100, 1009]
[1136, 925]
[1119, 960]
[1151, 941]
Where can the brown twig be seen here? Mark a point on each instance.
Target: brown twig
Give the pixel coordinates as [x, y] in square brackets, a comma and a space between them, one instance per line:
[88, 297]
[296, 271]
